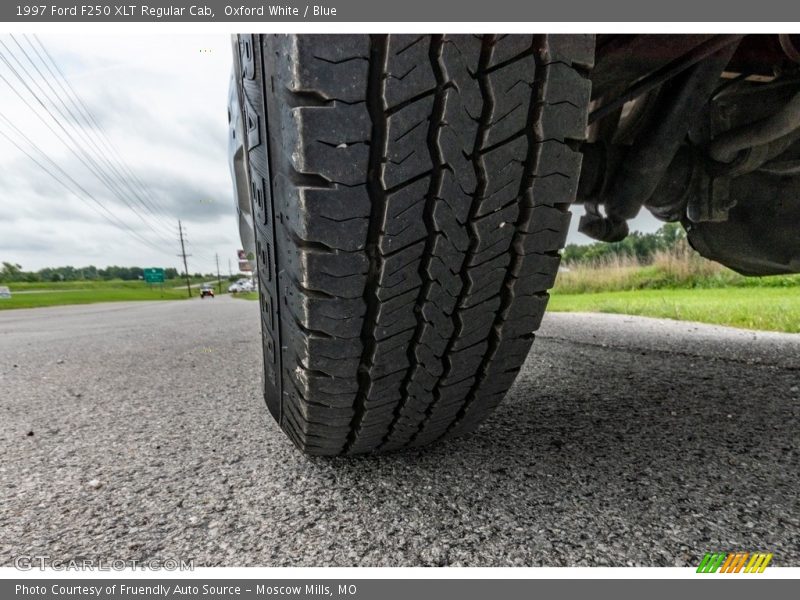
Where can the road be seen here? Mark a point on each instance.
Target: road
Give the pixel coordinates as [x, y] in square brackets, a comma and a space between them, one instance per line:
[137, 431]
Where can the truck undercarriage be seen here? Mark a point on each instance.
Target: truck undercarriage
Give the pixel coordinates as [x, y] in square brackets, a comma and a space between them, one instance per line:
[701, 130]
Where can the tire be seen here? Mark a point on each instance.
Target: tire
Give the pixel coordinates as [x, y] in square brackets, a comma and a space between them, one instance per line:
[410, 196]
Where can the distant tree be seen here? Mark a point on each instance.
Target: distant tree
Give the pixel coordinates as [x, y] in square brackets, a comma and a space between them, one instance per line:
[642, 246]
[10, 272]
[89, 272]
[673, 233]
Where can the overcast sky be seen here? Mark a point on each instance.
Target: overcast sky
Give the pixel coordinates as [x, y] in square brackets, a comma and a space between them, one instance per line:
[162, 101]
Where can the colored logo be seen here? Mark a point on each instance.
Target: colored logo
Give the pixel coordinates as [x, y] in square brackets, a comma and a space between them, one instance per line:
[734, 562]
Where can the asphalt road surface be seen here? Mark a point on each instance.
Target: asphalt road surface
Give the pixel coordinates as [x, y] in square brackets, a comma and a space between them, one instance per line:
[137, 431]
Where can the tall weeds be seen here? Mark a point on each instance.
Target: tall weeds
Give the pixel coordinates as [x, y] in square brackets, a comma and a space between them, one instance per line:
[678, 267]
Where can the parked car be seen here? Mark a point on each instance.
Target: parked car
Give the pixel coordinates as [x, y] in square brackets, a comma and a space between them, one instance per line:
[242, 285]
[206, 290]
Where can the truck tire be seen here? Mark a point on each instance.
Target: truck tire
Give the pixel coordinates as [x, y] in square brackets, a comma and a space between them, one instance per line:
[410, 196]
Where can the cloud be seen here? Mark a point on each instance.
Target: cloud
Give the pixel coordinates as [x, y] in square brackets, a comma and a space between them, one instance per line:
[196, 201]
[162, 104]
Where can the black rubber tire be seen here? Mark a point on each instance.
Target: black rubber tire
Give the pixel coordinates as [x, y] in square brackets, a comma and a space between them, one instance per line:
[410, 196]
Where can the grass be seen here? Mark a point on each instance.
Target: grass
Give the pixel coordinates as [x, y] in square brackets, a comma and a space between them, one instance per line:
[246, 295]
[681, 268]
[678, 284]
[33, 295]
[765, 308]
[24, 286]
[681, 285]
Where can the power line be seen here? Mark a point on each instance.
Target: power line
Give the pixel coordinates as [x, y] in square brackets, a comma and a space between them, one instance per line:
[204, 257]
[93, 167]
[121, 167]
[55, 133]
[86, 133]
[85, 138]
[113, 219]
[99, 127]
[87, 159]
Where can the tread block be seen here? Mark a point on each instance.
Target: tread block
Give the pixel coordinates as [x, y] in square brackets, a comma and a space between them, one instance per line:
[508, 47]
[337, 218]
[408, 69]
[332, 66]
[332, 143]
[511, 88]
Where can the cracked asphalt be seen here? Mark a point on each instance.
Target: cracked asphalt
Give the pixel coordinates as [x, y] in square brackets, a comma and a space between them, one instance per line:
[137, 431]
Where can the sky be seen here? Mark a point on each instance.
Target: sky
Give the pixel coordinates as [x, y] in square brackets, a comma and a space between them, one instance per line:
[161, 101]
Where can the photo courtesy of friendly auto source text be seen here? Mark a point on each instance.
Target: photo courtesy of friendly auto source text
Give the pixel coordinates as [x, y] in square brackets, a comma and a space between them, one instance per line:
[305, 299]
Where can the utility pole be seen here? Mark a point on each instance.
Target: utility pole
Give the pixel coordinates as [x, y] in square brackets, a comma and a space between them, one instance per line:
[230, 271]
[183, 254]
[219, 279]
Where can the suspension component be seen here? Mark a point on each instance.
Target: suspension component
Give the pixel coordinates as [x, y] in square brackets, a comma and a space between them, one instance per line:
[725, 147]
[647, 160]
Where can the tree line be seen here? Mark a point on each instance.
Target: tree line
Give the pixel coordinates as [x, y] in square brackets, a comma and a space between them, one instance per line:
[642, 246]
[12, 272]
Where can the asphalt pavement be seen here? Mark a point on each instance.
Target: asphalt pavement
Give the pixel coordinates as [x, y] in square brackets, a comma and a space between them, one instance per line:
[138, 431]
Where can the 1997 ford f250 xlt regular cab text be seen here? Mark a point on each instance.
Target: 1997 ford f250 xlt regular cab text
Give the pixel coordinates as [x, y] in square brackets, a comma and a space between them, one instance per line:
[406, 198]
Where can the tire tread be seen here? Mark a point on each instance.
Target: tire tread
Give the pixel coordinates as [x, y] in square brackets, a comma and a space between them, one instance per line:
[419, 188]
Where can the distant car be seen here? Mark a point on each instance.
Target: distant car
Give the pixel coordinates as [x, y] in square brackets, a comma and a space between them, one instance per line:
[242, 285]
[206, 290]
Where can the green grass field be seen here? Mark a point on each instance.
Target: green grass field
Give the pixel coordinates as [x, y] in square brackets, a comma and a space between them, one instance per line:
[91, 285]
[33, 295]
[765, 308]
[246, 295]
[677, 284]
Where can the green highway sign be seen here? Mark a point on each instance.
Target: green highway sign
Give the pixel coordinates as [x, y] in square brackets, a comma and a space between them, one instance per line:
[155, 275]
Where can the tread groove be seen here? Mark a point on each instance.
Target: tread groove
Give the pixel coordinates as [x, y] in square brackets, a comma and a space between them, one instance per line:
[522, 225]
[480, 174]
[434, 126]
[376, 106]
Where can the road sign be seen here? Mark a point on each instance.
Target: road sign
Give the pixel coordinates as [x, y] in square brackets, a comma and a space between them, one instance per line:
[246, 261]
[155, 275]
[5, 293]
